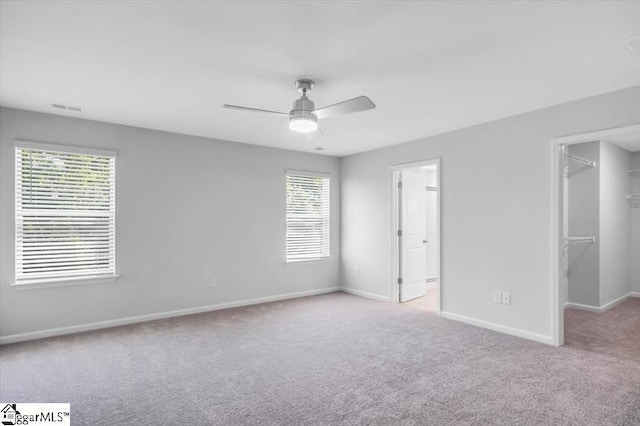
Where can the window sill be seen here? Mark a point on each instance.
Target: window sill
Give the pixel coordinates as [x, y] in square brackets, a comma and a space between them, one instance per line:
[304, 261]
[64, 282]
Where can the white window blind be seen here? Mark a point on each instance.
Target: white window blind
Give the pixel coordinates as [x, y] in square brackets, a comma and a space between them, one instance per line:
[65, 215]
[308, 217]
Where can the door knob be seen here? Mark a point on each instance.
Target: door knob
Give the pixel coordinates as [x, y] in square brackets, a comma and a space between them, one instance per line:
[425, 241]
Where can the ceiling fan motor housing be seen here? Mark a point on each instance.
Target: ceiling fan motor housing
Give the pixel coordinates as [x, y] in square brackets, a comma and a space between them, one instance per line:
[301, 117]
[303, 107]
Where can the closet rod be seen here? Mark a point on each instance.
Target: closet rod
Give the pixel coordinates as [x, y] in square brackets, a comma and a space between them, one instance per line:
[580, 160]
[629, 172]
[579, 240]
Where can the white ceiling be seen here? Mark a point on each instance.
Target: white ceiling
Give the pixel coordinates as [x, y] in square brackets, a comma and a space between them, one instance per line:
[431, 67]
[629, 142]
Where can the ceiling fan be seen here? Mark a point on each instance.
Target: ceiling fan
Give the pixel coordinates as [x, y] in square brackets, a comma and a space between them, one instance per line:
[303, 118]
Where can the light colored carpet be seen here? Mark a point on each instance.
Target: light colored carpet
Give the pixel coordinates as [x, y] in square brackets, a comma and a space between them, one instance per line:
[428, 302]
[331, 359]
[614, 333]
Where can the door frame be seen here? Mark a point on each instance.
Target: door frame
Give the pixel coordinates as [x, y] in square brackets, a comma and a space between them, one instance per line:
[557, 231]
[395, 171]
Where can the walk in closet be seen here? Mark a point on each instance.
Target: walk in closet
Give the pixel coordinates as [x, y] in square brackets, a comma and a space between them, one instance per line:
[601, 253]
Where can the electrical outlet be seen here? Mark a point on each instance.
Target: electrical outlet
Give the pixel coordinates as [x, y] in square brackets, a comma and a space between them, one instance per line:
[506, 298]
[497, 297]
[213, 283]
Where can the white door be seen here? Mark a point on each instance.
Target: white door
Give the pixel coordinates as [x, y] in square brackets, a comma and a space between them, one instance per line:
[413, 257]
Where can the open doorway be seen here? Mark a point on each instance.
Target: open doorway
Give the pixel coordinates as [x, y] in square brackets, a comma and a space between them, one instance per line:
[416, 235]
[597, 237]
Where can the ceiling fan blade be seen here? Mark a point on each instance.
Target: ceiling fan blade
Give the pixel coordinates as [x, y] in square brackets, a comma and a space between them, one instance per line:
[241, 108]
[361, 103]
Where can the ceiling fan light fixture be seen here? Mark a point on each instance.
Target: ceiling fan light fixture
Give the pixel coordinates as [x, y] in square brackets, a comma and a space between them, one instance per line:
[304, 116]
[304, 124]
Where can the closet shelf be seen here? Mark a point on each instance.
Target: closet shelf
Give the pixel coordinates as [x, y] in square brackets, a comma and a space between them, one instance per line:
[634, 200]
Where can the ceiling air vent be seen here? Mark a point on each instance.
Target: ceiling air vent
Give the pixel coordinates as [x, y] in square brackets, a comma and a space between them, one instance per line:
[69, 108]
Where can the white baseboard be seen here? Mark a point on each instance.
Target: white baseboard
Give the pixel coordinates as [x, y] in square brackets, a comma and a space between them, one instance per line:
[365, 294]
[570, 305]
[13, 338]
[615, 302]
[500, 328]
[603, 308]
[635, 294]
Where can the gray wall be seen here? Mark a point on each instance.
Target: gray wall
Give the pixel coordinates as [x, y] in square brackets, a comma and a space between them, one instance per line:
[496, 209]
[635, 227]
[583, 221]
[615, 223]
[188, 209]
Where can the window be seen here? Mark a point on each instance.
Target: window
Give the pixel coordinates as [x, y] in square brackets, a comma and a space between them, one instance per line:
[65, 213]
[308, 218]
